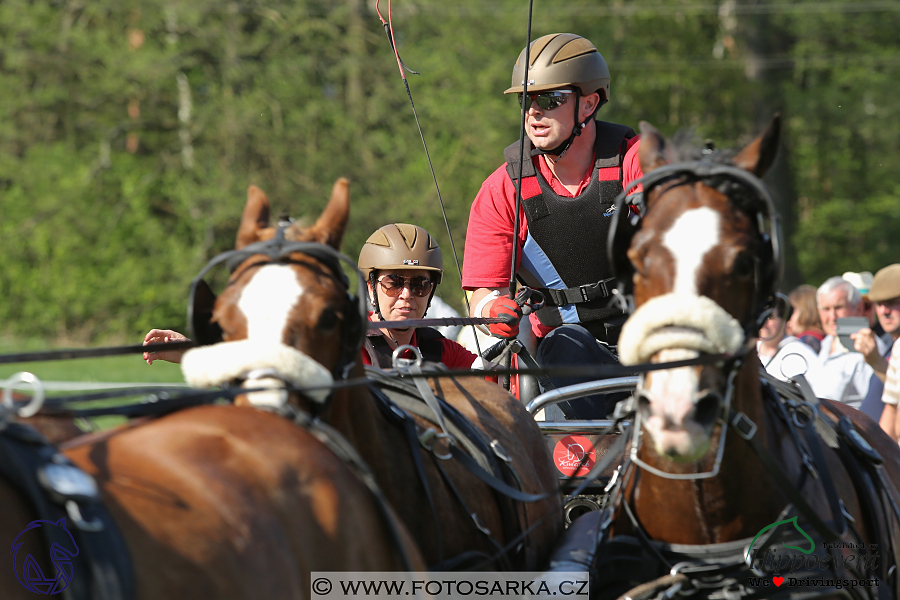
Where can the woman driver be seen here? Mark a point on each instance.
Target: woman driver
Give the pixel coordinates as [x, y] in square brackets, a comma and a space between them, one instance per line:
[403, 266]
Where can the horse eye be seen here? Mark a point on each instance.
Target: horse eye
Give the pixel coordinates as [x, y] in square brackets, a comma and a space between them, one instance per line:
[328, 320]
[743, 265]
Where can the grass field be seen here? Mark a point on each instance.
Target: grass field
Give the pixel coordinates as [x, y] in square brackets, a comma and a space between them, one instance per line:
[109, 369]
[113, 369]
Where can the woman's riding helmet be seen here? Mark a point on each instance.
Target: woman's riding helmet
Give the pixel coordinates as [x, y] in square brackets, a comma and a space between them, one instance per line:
[401, 246]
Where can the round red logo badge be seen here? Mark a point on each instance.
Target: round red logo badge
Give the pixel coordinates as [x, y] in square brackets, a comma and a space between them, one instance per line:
[574, 452]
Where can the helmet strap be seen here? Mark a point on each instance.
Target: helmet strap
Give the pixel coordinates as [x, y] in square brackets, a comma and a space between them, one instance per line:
[373, 284]
[560, 150]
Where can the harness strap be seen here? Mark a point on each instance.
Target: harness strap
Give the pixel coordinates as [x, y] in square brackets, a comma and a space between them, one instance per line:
[500, 555]
[817, 465]
[407, 398]
[834, 502]
[397, 415]
[747, 430]
[428, 397]
[409, 429]
[345, 451]
[494, 483]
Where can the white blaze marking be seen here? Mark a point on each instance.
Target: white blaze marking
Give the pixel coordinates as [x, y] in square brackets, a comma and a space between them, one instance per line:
[692, 235]
[267, 300]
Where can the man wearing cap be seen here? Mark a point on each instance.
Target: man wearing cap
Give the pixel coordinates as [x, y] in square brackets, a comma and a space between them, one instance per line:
[840, 375]
[574, 167]
[885, 294]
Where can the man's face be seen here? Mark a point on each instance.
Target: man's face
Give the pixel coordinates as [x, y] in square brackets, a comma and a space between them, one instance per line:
[833, 305]
[772, 330]
[889, 316]
[548, 128]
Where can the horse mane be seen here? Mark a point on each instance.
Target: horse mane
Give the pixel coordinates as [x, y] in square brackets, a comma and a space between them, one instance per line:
[686, 146]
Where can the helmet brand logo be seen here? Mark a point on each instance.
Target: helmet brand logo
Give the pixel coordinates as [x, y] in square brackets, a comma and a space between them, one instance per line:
[530, 82]
[410, 261]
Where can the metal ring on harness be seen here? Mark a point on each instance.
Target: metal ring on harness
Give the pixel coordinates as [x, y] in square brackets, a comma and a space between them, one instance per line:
[790, 360]
[430, 436]
[37, 400]
[402, 363]
[809, 413]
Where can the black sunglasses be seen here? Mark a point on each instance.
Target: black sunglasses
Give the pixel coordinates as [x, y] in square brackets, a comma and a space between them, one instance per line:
[420, 285]
[546, 100]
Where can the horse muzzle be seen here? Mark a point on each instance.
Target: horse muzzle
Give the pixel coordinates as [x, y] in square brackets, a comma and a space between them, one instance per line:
[276, 367]
[679, 406]
[679, 418]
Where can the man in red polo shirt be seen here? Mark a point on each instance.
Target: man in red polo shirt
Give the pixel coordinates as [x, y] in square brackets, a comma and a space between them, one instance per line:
[574, 169]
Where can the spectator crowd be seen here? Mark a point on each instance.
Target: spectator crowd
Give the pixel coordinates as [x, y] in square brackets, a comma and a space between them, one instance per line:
[847, 359]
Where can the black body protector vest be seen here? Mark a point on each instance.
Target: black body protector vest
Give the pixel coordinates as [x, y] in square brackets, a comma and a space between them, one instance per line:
[429, 342]
[564, 256]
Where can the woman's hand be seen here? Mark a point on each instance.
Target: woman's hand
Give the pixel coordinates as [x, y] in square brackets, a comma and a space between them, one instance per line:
[164, 336]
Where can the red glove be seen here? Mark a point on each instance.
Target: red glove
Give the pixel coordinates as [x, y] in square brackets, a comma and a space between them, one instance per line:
[505, 308]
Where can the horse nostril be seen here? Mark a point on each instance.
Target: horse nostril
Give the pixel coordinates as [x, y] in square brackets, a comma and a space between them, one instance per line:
[707, 408]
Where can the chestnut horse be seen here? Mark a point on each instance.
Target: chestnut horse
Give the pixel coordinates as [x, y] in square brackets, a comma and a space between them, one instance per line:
[721, 454]
[285, 316]
[224, 502]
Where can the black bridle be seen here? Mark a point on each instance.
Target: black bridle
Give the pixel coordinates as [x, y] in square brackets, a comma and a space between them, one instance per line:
[742, 188]
[279, 250]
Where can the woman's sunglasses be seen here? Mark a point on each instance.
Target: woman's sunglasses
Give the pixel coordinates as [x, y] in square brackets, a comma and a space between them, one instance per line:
[546, 100]
[420, 285]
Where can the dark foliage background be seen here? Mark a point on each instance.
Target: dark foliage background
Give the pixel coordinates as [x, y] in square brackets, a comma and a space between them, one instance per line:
[129, 131]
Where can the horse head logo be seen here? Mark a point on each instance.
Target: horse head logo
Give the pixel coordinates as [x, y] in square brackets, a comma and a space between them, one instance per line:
[62, 550]
[792, 521]
[575, 452]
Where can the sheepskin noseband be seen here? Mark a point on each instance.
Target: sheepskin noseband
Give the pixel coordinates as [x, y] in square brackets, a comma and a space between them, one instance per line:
[678, 321]
[222, 363]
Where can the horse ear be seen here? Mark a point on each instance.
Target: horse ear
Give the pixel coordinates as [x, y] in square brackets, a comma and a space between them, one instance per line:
[255, 218]
[653, 152]
[330, 226]
[759, 155]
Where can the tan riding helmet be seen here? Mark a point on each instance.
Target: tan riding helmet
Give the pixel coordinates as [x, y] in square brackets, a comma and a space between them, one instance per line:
[562, 59]
[401, 246]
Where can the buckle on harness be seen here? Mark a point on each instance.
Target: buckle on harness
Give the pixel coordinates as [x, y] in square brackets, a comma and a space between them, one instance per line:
[744, 426]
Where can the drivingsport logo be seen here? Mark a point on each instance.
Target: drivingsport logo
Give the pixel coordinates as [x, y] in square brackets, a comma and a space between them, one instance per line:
[449, 586]
[39, 538]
